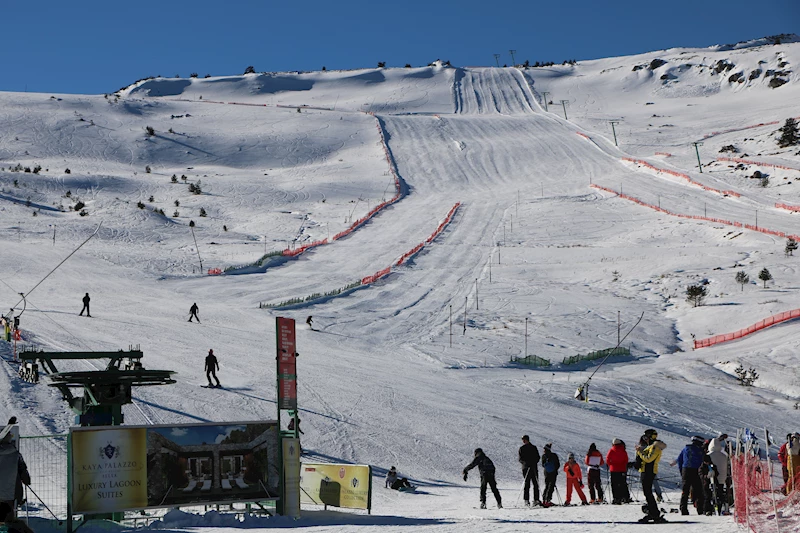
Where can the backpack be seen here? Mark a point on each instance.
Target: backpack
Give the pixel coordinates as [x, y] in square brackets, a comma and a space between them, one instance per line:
[551, 463]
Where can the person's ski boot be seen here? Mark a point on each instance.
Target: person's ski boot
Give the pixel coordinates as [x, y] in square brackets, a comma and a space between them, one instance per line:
[483, 506]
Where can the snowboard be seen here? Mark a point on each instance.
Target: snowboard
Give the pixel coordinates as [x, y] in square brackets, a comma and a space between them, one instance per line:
[211, 386]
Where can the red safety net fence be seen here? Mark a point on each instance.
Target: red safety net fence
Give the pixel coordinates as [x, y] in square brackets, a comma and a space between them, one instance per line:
[680, 175]
[762, 503]
[751, 162]
[758, 326]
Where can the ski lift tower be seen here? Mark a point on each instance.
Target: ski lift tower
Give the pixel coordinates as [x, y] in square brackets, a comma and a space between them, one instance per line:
[104, 391]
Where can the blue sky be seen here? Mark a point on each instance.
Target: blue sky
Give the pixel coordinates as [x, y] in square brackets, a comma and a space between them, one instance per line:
[94, 47]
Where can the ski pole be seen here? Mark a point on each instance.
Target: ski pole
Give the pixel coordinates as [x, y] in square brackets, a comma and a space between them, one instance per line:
[558, 495]
[28, 487]
[525, 482]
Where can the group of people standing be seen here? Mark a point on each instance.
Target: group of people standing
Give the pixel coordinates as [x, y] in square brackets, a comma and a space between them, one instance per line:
[704, 466]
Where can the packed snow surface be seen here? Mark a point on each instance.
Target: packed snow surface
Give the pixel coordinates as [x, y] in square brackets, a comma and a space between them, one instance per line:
[414, 370]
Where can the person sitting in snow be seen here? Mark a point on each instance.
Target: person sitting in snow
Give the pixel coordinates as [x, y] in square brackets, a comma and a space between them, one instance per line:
[401, 483]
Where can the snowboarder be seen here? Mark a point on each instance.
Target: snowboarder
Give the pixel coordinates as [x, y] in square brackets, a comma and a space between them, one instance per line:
[391, 477]
[574, 480]
[594, 460]
[689, 462]
[308, 321]
[193, 312]
[211, 368]
[550, 466]
[650, 455]
[400, 484]
[529, 459]
[617, 461]
[486, 469]
[86, 301]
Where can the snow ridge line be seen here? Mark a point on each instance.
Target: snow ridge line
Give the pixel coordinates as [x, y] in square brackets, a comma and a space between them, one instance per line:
[758, 326]
[366, 280]
[697, 217]
[681, 175]
[751, 162]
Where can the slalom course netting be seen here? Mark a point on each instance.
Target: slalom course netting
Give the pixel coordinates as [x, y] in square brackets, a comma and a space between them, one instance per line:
[367, 280]
[788, 207]
[680, 175]
[760, 504]
[758, 326]
[698, 217]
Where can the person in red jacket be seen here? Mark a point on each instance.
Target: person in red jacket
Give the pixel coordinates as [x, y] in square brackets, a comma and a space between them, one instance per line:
[574, 480]
[783, 456]
[594, 460]
[617, 461]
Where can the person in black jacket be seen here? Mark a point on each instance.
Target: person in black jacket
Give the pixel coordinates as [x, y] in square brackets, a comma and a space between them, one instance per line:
[86, 301]
[193, 312]
[529, 459]
[211, 368]
[550, 466]
[486, 469]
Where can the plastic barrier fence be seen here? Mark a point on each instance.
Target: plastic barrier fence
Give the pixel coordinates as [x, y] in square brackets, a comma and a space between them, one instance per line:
[532, 360]
[760, 503]
[751, 162]
[758, 326]
[788, 207]
[681, 175]
[665, 154]
[599, 354]
[698, 217]
[367, 280]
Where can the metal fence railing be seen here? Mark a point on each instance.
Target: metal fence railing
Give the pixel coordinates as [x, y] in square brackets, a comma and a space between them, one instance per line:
[46, 457]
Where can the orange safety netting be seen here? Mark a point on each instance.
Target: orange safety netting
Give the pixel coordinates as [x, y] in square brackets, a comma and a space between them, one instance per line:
[758, 326]
[761, 502]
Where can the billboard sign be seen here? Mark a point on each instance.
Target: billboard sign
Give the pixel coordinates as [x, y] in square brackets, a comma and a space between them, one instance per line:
[287, 363]
[339, 485]
[134, 467]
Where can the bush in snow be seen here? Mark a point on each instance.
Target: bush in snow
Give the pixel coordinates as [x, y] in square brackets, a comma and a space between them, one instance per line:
[250, 70]
[80, 205]
[140, 205]
[202, 212]
[67, 171]
[696, 294]
[150, 131]
[765, 276]
[746, 377]
[147, 169]
[381, 64]
[174, 178]
[654, 64]
[791, 246]
[789, 133]
[742, 278]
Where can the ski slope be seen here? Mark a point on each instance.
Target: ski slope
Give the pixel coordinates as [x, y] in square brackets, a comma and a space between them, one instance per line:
[414, 370]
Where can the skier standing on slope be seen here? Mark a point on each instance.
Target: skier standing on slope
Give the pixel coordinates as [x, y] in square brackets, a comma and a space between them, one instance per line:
[783, 456]
[486, 469]
[86, 301]
[550, 465]
[718, 474]
[574, 480]
[193, 312]
[689, 462]
[529, 459]
[211, 368]
[594, 460]
[617, 461]
[650, 456]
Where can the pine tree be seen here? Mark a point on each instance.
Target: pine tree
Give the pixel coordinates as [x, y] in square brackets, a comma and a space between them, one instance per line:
[742, 278]
[765, 276]
[791, 246]
[789, 133]
[696, 294]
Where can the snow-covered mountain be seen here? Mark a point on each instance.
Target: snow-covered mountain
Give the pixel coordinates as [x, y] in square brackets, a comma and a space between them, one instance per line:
[414, 369]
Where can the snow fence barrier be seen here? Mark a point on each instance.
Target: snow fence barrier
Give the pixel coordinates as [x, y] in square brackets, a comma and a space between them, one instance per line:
[751, 162]
[681, 175]
[368, 280]
[758, 326]
[733, 223]
[761, 505]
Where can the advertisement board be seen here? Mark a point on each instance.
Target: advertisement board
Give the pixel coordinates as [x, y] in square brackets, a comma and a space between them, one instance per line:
[134, 467]
[291, 476]
[338, 485]
[287, 363]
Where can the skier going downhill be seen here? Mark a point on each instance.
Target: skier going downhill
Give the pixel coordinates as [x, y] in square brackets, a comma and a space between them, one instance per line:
[193, 312]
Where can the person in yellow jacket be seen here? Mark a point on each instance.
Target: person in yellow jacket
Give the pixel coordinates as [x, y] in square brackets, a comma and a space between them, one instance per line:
[649, 451]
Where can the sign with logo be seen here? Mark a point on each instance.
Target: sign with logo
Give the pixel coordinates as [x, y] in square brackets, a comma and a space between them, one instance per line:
[109, 470]
[125, 468]
[287, 363]
[339, 485]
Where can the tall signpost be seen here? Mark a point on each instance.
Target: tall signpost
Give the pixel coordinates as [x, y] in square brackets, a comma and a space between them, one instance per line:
[287, 401]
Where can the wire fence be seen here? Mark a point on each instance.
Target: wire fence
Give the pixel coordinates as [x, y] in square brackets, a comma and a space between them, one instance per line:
[46, 457]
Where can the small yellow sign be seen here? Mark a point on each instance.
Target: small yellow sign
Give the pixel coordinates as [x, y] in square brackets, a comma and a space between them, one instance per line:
[109, 470]
[337, 485]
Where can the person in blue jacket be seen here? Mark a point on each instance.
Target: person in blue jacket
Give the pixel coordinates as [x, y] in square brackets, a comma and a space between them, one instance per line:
[689, 462]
